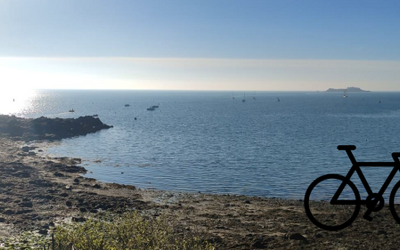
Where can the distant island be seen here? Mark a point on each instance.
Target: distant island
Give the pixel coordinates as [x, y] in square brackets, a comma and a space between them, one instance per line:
[349, 89]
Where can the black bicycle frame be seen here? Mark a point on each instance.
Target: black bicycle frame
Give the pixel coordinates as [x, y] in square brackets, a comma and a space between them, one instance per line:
[356, 168]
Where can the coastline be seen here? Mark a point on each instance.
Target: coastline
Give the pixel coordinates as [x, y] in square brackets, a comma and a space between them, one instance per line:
[38, 192]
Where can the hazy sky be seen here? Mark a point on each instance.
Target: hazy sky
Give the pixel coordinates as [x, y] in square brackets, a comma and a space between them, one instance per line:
[200, 44]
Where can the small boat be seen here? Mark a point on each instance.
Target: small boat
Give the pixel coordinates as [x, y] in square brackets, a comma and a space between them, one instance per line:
[155, 106]
[95, 115]
[278, 99]
[127, 105]
[71, 111]
[379, 101]
[344, 94]
[151, 108]
[244, 97]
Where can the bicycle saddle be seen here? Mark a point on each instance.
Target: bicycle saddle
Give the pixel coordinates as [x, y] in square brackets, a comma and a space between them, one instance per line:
[346, 147]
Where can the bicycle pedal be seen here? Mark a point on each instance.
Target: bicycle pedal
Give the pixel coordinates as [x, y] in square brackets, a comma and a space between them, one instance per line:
[367, 217]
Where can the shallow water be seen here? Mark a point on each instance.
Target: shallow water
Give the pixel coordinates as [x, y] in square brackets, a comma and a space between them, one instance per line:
[209, 142]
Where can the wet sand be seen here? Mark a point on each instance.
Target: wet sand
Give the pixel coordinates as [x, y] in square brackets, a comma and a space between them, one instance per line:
[39, 191]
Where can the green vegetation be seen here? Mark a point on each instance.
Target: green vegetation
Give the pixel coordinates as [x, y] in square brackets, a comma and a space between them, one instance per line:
[110, 232]
[129, 231]
[26, 240]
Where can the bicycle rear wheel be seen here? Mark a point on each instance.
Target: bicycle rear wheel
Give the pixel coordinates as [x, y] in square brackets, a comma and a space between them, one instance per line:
[321, 212]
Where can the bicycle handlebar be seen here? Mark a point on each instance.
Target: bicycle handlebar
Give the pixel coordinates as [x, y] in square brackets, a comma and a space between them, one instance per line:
[347, 147]
[396, 155]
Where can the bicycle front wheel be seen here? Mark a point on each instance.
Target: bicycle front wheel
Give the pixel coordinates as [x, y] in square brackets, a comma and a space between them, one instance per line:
[394, 202]
[322, 212]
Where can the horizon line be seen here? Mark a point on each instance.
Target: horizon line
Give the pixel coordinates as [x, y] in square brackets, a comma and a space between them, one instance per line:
[213, 90]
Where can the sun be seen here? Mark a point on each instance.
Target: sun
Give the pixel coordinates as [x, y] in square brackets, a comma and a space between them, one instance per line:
[14, 101]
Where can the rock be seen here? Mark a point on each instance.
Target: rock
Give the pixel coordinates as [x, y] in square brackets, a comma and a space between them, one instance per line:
[101, 206]
[83, 210]
[68, 169]
[43, 231]
[64, 128]
[76, 180]
[69, 203]
[24, 211]
[75, 169]
[44, 197]
[318, 236]
[296, 236]
[64, 195]
[382, 232]
[58, 174]
[26, 204]
[78, 219]
[96, 186]
[41, 183]
[25, 149]
[259, 243]
[8, 212]
[2, 220]
[22, 174]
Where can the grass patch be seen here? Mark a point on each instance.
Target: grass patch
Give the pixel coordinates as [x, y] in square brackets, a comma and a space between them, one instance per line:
[111, 232]
[128, 231]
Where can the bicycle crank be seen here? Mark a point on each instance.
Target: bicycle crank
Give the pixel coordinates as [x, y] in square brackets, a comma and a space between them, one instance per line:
[375, 203]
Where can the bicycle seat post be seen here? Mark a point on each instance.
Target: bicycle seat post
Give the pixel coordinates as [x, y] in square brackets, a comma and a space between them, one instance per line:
[348, 149]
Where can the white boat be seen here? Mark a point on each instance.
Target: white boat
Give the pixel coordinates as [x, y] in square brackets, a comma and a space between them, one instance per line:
[71, 111]
[344, 94]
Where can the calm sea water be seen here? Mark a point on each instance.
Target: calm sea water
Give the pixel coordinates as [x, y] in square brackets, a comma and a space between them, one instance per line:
[209, 142]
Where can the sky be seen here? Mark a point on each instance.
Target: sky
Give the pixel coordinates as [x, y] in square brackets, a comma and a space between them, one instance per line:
[200, 45]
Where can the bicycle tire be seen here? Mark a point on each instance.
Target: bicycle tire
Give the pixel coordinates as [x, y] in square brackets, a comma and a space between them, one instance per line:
[391, 202]
[310, 215]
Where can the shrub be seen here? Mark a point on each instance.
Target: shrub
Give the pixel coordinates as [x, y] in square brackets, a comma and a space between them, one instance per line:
[128, 231]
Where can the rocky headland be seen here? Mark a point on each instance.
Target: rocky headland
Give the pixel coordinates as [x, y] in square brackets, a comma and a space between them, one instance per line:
[44, 128]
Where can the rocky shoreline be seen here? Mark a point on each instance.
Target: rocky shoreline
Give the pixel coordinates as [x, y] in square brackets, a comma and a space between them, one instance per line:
[37, 192]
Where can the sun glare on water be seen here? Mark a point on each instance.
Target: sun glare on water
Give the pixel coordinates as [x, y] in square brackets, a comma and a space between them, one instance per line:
[15, 101]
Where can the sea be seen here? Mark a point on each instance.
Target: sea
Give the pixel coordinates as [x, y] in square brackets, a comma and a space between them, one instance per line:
[273, 144]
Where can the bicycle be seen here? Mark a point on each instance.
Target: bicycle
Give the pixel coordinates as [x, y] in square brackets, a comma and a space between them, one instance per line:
[374, 202]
